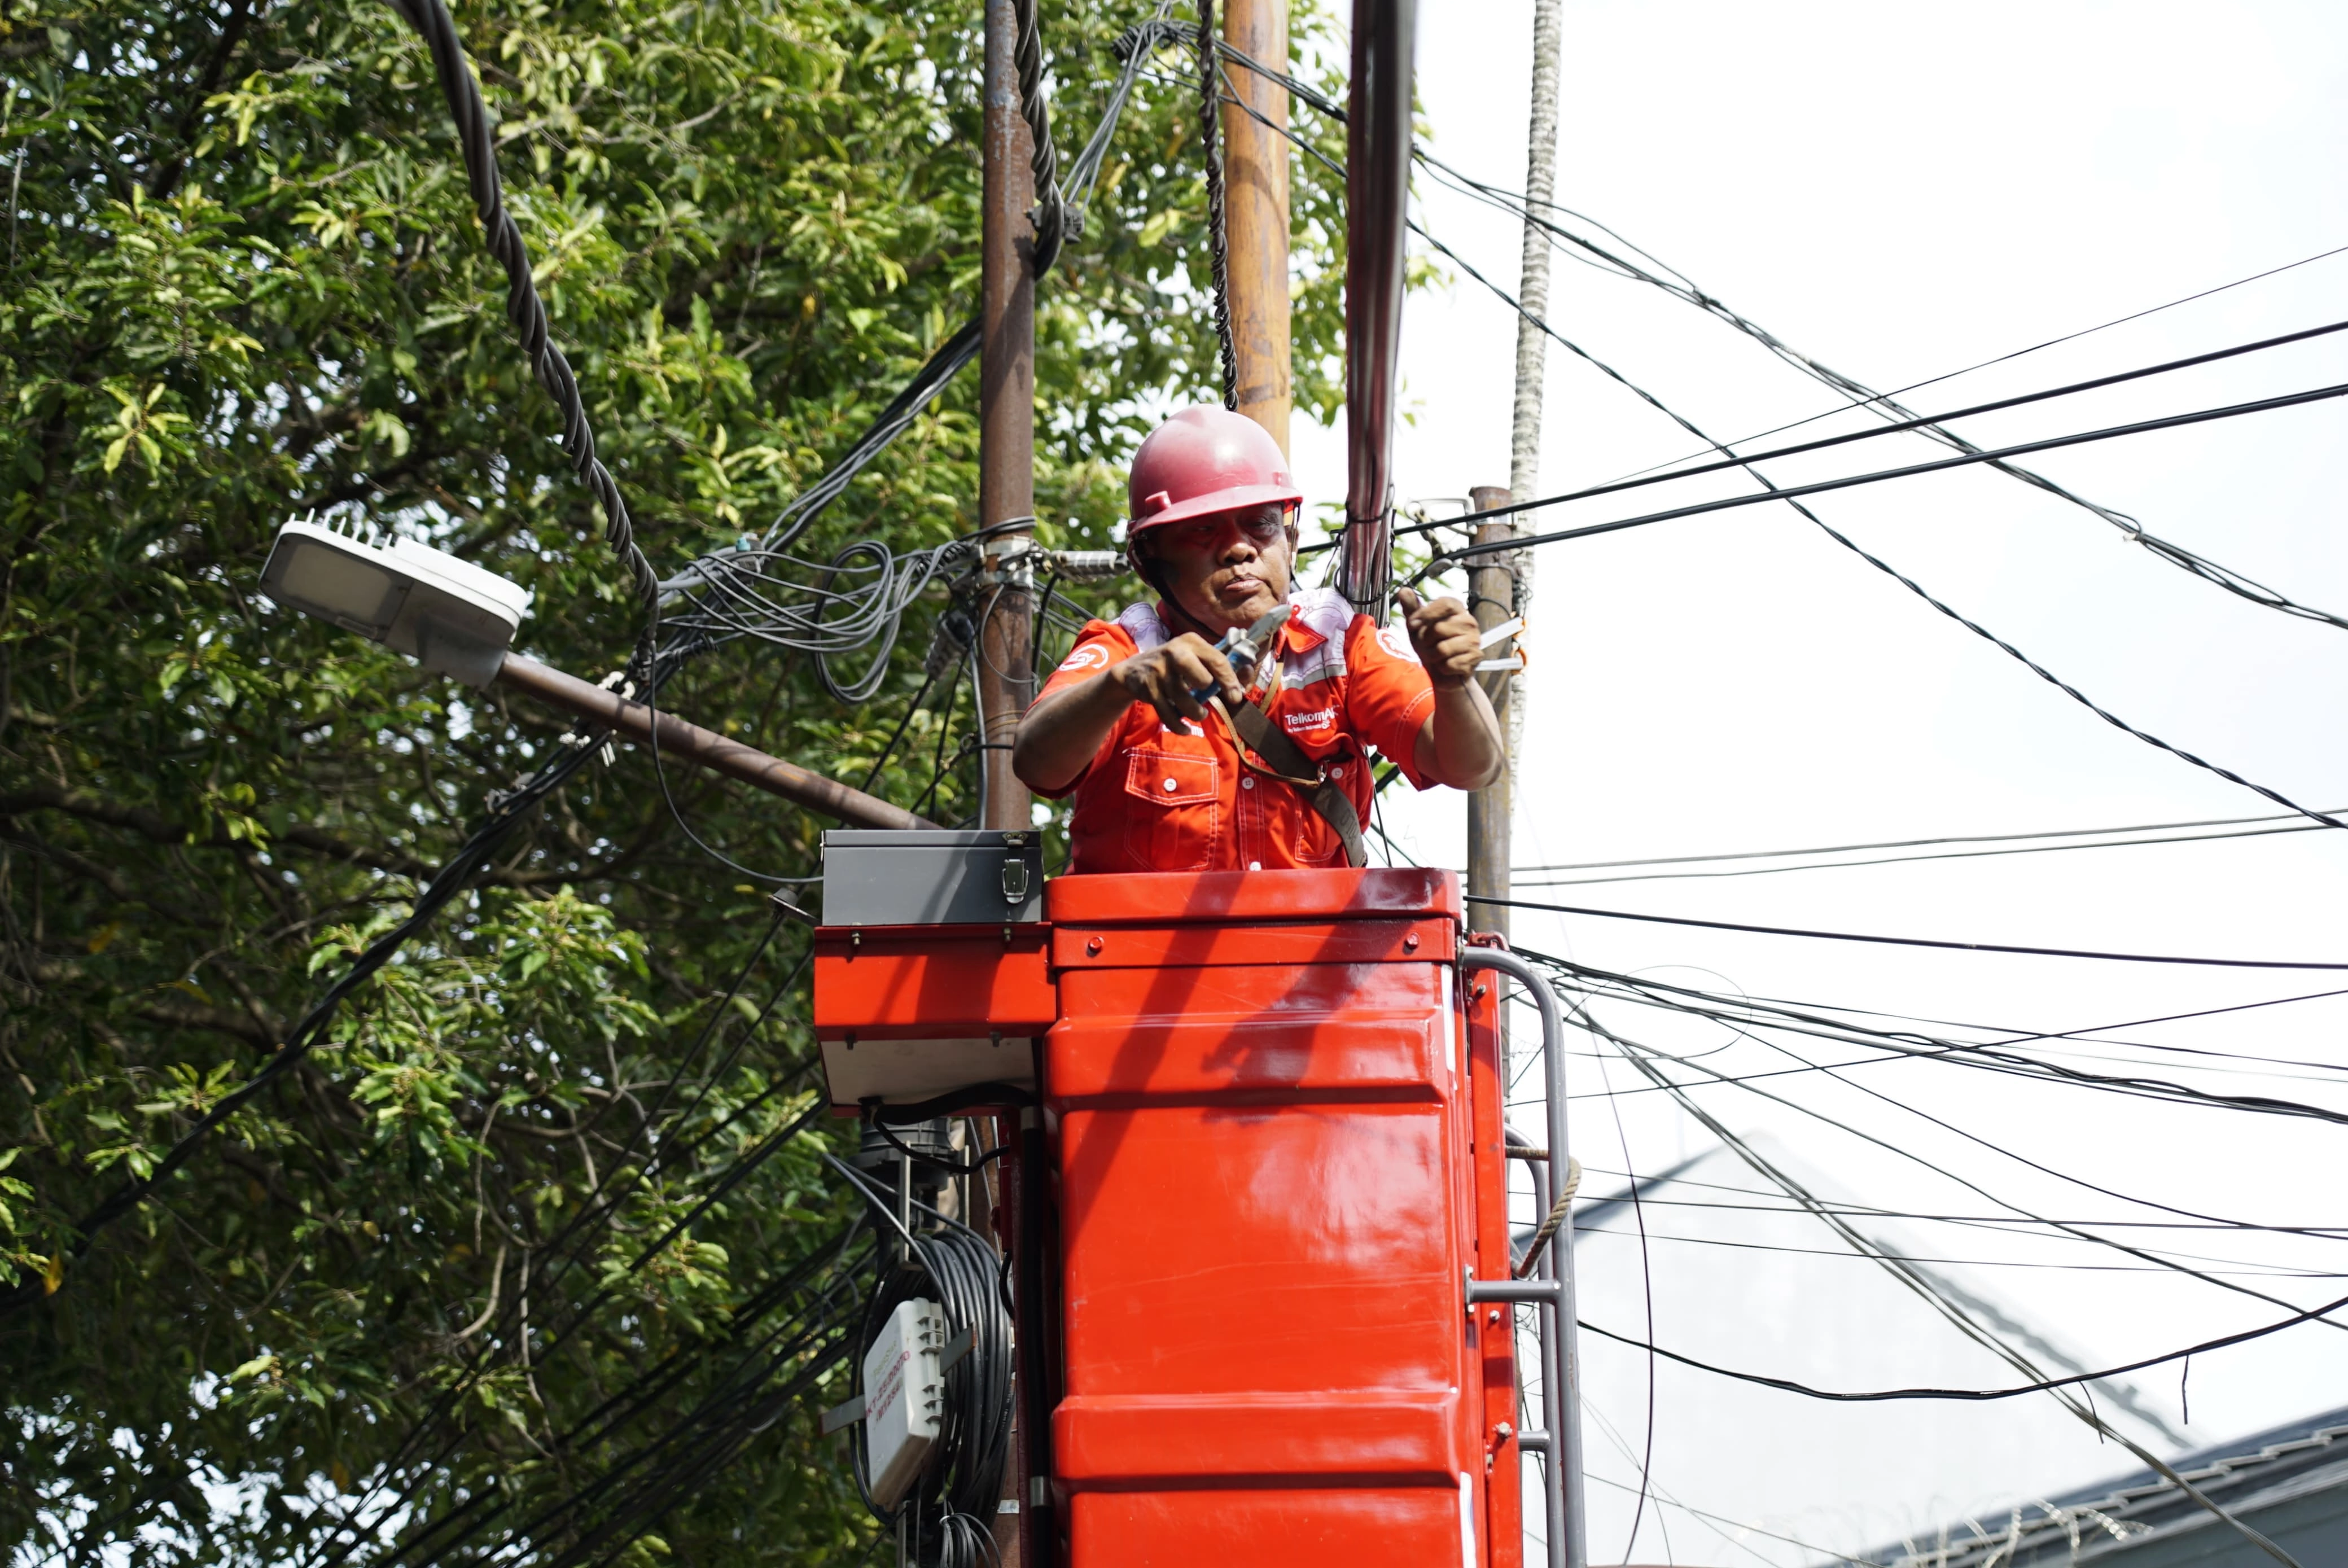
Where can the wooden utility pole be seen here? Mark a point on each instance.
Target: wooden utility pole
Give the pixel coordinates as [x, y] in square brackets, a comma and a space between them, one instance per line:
[1377, 190]
[1006, 403]
[1007, 682]
[1500, 586]
[1255, 212]
[1492, 594]
[1532, 289]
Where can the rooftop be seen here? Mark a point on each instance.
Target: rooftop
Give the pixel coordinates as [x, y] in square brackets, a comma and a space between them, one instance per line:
[2290, 1483]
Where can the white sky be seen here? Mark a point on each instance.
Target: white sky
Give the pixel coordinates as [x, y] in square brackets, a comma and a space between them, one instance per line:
[1901, 190]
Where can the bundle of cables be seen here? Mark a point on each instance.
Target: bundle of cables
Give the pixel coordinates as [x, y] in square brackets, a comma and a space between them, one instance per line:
[946, 1519]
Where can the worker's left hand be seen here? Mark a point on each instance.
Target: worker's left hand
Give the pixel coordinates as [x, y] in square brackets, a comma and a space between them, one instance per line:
[1444, 635]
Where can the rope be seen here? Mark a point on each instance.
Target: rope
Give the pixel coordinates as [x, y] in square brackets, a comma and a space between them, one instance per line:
[1218, 254]
[1557, 1213]
[1050, 215]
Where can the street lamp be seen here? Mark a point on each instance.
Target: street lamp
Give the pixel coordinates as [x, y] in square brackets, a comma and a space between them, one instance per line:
[455, 618]
[449, 615]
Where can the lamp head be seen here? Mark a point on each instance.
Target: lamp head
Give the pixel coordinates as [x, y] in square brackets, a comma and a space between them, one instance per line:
[448, 614]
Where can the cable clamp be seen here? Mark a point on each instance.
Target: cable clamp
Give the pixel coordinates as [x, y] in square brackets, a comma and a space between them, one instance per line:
[574, 738]
[617, 681]
[1089, 566]
[1008, 562]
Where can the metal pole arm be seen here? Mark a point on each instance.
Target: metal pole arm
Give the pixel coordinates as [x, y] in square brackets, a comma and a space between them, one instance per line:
[705, 748]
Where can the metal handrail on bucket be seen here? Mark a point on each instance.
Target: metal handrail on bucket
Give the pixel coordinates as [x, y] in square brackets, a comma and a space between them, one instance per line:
[1550, 1291]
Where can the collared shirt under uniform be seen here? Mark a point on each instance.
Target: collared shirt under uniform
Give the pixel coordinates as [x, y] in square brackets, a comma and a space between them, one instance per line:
[1158, 799]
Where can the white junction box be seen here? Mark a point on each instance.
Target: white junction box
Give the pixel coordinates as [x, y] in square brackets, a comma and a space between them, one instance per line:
[904, 1397]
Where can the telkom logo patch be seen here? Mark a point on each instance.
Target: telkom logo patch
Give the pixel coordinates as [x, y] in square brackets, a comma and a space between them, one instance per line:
[1392, 640]
[1318, 718]
[1091, 656]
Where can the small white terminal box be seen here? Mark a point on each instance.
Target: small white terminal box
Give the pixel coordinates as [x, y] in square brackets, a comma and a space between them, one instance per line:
[904, 1397]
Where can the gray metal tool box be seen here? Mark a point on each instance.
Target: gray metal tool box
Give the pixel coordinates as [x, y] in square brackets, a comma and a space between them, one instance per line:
[932, 971]
[932, 876]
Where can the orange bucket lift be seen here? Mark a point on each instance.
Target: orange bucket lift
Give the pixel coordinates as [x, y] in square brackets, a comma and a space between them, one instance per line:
[1267, 1290]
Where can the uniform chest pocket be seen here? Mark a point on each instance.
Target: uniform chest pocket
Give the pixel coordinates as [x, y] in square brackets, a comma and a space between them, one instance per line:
[1173, 809]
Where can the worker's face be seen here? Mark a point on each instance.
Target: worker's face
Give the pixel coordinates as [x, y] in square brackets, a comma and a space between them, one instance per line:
[1230, 569]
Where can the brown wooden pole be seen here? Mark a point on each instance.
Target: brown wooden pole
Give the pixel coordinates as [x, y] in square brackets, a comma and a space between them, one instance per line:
[1492, 594]
[1255, 212]
[1006, 505]
[1007, 475]
[1377, 186]
[704, 747]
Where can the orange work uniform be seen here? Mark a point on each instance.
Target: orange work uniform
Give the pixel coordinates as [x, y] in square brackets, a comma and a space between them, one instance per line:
[1158, 799]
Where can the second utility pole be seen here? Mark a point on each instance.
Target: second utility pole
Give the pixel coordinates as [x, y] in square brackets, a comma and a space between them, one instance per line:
[1255, 211]
[1500, 586]
[1007, 682]
[1006, 420]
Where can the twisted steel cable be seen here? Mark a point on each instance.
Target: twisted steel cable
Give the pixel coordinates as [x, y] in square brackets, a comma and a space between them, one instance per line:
[1051, 212]
[1210, 97]
[524, 309]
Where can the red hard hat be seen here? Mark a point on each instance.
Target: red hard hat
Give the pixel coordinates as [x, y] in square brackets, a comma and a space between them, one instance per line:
[1203, 460]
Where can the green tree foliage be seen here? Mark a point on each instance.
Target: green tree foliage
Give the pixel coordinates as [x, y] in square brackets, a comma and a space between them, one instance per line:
[242, 281]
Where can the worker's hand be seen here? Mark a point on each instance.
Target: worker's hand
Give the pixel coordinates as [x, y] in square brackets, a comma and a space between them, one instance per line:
[1446, 637]
[1167, 676]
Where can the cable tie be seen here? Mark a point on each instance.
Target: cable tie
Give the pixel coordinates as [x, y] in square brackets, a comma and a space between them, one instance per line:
[1501, 633]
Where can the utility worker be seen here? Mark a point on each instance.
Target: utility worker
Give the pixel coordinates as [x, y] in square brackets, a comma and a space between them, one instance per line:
[1179, 763]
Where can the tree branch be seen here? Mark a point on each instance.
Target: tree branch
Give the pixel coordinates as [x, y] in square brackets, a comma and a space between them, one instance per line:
[166, 178]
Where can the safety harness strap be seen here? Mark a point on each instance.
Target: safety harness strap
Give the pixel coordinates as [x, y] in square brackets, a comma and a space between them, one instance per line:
[1292, 768]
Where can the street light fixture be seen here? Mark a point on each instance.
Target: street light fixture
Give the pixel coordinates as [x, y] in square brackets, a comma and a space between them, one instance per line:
[455, 618]
[449, 614]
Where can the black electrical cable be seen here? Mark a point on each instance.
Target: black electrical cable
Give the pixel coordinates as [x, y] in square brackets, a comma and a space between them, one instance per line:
[801, 1338]
[2297, 827]
[1681, 286]
[1860, 395]
[880, 761]
[1210, 82]
[2233, 582]
[1568, 972]
[597, 1210]
[2295, 824]
[2264, 1271]
[629, 1495]
[1910, 941]
[1821, 487]
[1643, 1058]
[1051, 212]
[1647, 1294]
[1959, 1312]
[1742, 1014]
[2066, 687]
[1899, 427]
[441, 887]
[958, 1167]
[950, 1511]
[2045, 1385]
[2007, 1222]
[478, 137]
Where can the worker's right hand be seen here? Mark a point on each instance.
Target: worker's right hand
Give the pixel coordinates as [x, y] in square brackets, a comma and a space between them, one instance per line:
[1167, 676]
